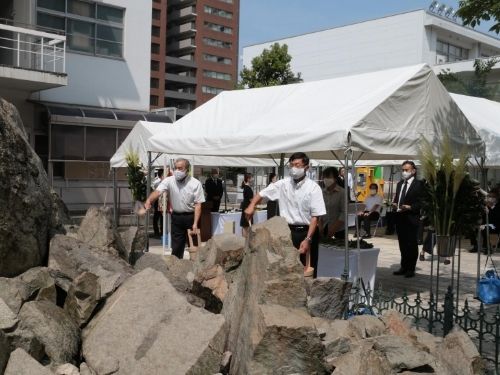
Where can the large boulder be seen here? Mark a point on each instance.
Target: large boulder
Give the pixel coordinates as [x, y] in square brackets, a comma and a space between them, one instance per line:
[328, 297]
[14, 292]
[26, 217]
[148, 327]
[97, 230]
[57, 332]
[270, 330]
[73, 257]
[5, 350]
[8, 319]
[83, 297]
[40, 284]
[134, 242]
[21, 363]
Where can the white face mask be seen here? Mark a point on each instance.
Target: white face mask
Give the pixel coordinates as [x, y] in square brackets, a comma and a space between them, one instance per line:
[406, 175]
[179, 175]
[297, 173]
[328, 182]
[373, 192]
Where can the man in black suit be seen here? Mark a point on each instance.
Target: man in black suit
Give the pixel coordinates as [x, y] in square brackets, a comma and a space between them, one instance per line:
[214, 189]
[407, 204]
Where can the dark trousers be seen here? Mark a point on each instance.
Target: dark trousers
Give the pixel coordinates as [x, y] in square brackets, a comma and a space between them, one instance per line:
[157, 218]
[365, 221]
[215, 205]
[473, 237]
[180, 224]
[407, 232]
[298, 235]
[390, 218]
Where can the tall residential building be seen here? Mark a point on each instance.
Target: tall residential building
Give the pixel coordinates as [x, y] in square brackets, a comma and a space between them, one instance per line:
[409, 38]
[194, 51]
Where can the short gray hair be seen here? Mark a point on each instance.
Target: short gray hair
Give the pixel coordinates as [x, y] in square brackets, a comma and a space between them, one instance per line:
[186, 163]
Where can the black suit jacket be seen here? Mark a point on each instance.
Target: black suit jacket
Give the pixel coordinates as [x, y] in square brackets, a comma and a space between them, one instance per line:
[213, 188]
[412, 198]
[494, 216]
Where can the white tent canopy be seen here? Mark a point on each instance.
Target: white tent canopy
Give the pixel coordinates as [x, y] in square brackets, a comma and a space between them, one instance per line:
[138, 141]
[484, 115]
[381, 115]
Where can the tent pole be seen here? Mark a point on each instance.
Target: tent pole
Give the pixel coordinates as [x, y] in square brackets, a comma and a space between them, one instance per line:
[148, 191]
[115, 200]
[225, 189]
[345, 274]
[281, 169]
[164, 213]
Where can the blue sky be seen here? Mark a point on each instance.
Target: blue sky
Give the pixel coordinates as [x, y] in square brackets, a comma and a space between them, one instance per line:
[264, 20]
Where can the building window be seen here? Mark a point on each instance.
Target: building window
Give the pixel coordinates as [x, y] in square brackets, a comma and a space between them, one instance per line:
[155, 65]
[153, 100]
[220, 28]
[211, 90]
[217, 43]
[217, 75]
[155, 48]
[218, 12]
[217, 59]
[156, 14]
[226, 1]
[155, 31]
[155, 83]
[447, 52]
[90, 27]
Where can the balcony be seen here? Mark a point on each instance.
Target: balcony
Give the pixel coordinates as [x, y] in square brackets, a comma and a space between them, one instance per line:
[185, 29]
[177, 61]
[31, 59]
[188, 80]
[181, 46]
[179, 3]
[181, 95]
[183, 14]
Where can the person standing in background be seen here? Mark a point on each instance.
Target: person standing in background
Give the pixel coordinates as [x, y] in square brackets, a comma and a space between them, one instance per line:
[334, 197]
[247, 198]
[273, 208]
[214, 190]
[157, 214]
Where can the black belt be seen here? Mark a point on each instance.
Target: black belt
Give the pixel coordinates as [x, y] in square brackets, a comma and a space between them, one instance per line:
[298, 228]
[182, 213]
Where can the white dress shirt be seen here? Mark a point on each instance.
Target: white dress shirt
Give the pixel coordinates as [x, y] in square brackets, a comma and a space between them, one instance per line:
[183, 195]
[298, 202]
[372, 201]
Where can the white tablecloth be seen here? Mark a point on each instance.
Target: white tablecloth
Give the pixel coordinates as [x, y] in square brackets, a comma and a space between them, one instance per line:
[219, 219]
[331, 263]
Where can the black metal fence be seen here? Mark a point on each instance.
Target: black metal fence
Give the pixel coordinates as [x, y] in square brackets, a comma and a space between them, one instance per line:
[481, 324]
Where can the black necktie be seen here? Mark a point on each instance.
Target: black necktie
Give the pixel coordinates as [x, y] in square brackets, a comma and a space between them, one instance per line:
[403, 194]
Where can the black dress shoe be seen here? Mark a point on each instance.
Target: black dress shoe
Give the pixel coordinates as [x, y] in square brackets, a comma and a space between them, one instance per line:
[422, 257]
[473, 250]
[409, 274]
[399, 272]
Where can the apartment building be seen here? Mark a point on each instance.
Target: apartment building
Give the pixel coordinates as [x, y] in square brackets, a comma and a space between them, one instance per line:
[194, 51]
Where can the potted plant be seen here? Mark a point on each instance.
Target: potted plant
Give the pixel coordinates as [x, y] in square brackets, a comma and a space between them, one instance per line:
[136, 178]
[452, 201]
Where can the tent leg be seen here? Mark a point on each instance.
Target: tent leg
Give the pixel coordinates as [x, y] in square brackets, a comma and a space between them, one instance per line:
[281, 169]
[148, 191]
[115, 200]
[345, 274]
[225, 189]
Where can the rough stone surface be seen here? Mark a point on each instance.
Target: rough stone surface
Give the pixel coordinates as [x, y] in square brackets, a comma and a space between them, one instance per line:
[14, 292]
[53, 328]
[225, 250]
[328, 297]
[25, 339]
[97, 230]
[83, 297]
[364, 326]
[8, 319]
[67, 369]
[41, 285]
[460, 353]
[210, 284]
[134, 241]
[21, 363]
[165, 326]
[361, 359]
[73, 257]
[5, 350]
[86, 370]
[25, 198]
[270, 330]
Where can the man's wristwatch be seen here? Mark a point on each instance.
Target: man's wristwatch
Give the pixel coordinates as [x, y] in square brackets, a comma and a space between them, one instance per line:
[309, 239]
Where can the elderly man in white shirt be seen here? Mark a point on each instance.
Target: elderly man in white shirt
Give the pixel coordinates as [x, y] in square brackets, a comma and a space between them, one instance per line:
[186, 196]
[301, 205]
[373, 204]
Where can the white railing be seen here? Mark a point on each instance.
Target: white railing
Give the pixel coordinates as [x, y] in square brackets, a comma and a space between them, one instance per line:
[32, 49]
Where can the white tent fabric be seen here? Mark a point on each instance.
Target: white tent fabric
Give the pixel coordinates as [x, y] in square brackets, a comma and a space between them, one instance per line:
[382, 115]
[484, 115]
[138, 141]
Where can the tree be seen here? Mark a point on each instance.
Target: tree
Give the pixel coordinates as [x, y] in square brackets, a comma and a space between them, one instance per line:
[270, 68]
[473, 12]
[475, 86]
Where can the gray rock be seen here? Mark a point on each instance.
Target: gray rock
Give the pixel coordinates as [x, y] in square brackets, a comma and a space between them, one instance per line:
[210, 285]
[25, 339]
[8, 319]
[83, 297]
[14, 292]
[25, 198]
[97, 230]
[86, 370]
[337, 336]
[73, 257]
[41, 285]
[134, 242]
[5, 349]
[460, 353]
[147, 321]
[328, 297]
[363, 326]
[225, 250]
[60, 215]
[21, 363]
[53, 328]
[360, 360]
[67, 369]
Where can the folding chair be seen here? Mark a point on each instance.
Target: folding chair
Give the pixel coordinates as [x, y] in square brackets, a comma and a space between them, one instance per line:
[379, 221]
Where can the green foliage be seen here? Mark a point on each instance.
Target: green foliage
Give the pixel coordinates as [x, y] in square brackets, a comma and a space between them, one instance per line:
[475, 86]
[451, 200]
[137, 181]
[473, 12]
[271, 68]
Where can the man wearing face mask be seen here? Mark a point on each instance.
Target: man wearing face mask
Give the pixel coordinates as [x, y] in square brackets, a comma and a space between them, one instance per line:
[301, 205]
[214, 189]
[407, 204]
[373, 203]
[334, 197]
[185, 194]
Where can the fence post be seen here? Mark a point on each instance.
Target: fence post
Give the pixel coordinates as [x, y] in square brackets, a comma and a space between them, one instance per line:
[448, 311]
[497, 336]
[431, 312]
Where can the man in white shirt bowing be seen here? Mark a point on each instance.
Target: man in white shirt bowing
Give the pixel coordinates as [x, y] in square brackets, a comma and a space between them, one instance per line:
[301, 205]
[186, 195]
